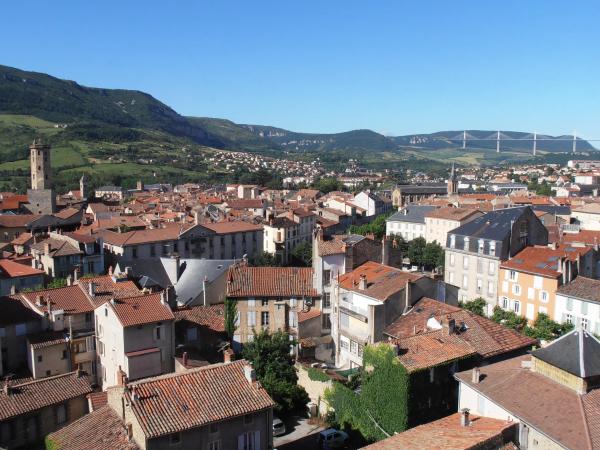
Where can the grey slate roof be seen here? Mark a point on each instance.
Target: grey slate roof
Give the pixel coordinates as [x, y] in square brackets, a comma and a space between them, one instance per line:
[494, 225]
[412, 213]
[437, 188]
[577, 352]
[556, 210]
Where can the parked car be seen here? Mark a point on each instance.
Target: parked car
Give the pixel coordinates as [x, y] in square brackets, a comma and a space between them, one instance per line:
[332, 438]
[278, 427]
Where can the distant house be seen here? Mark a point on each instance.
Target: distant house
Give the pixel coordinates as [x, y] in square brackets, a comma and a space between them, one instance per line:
[409, 222]
[15, 277]
[115, 192]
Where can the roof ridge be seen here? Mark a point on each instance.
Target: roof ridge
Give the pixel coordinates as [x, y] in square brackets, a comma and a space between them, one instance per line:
[586, 427]
[168, 376]
[62, 375]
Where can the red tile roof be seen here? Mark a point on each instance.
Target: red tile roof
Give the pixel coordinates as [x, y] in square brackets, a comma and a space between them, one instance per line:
[449, 213]
[17, 221]
[537, 400]
[140, 310]
[102, 429]
[586, 237]
[487, 337]
[447, 433]
[98, 399]
[307, 315]
[176, 402]
[382, 281]
[170, 232]
[11, 269]
[47, 339]
[543, 260]
[245, 281]
[71, 299]
[211, 317]
[232, 227]
[106, 288]
[31, 396]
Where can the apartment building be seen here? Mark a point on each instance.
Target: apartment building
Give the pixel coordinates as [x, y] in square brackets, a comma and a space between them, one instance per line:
[551, 394]
[217, 407]
[578, 303]
[475, 250]
[270, 298]
[231, 240]
[409, 222]
[439, 221]
[372, 203]
[281, 236]
[529, 281]
[368, 299]
[15, 276]
[136, 335]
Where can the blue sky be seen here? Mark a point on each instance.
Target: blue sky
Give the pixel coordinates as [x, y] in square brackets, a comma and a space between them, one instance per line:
[324, 66]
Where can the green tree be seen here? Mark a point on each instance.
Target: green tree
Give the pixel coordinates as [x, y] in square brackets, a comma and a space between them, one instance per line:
[416, 251]
[545, 328]
[544, 189]
[433, 255]
[330, 184]
[264, 259]
[302, 254]
[270, 356]
[230, 317]
[509, 319]
[401, 243]
[56, 283]
[477, 306]
[376, 227]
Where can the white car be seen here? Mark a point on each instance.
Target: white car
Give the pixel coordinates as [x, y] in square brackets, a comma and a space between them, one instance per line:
[278, 427]
[332, 438]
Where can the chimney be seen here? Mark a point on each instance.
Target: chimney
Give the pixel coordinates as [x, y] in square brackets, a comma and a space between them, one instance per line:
[110, 270]
[128, 272]
[464, 417]
[129, 431]
[69, 280]
[47, 248]
[134, 395]
[407, 295]
[13, 290]
[385, 251]
[449, 325]
[7, 388]
[185, 359]
[249, 373]
[76, 276]
[39, 300]
[204, 287]
[92, 289]
[228, 355]
[362, 284]
[476, 375]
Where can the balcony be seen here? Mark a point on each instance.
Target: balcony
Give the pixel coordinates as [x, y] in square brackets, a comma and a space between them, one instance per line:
[355, 310]
[84, 357]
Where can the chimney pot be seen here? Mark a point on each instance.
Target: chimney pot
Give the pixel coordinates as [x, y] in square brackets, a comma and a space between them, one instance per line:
[362, 284]
[464, 417]
[250, 373]
[185, 359]
[92, 289]
[228, 355]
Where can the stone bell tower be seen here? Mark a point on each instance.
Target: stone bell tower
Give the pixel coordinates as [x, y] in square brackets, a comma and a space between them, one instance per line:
[41, 195]
[452, 183]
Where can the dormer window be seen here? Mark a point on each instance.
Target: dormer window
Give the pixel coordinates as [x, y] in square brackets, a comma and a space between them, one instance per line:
[466, 247]
[480, 246]
[452, 241]
[492, 248]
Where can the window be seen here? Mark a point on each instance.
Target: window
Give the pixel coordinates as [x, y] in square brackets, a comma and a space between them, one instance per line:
[39, 358]
[158, 332]
[134, 252]
[326, 300]
[490, 287]
[344, 320]
[344, 344]
[512, 275]
[326, 321]
[450, 277]
[21, 329]
[152, 250]
[452, 241]
[479, 265]
[61, 414]
[214, 445]
[465, 262]
[88, 317]
[2, 332]
[293, 319]
[251, 303]
[466, 244]
[214, 427]
[192, 334]
[265, 302]
[569, 319]
[492, 268]
[480, 246]
[504, 302]
[248, 419]
[479, 285]
[264, 318]
[64, 354]
[516, 289]
[569, 305]
[326, 277]
[584, 308]
[452, 259]
[531, 293]
[584, 323]
[251, 318]
[544, 296]
[293, 302]
[465, 282]
[248, 441]
[517, 306]
[353, 347]
[175, 439]
[492, 248]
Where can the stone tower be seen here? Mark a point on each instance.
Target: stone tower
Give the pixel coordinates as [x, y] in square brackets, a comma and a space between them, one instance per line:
[452, 183]
[41, 195]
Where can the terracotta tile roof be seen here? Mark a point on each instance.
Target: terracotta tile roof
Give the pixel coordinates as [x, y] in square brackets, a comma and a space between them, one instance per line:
[432, 349]
[106, 288]
[245, 281]
[170, 232]
[71, 299]
[140, 310]
[177, 402]
[332, 246]
[447, 433]
[232, 227]
[583, 288]
[16, 310]
[11, 269]
[450, 213]
[22, 239]
[13, 202]
[211, 317]
[543, 260]
[102, 429]
[146, 351]
[587, 237]
[487, 337]
[591, 407]
[58, 247]
[17, 220]
[537, 400]
[382, 281]
[47, 339]
[307, 315]
[66, 213]
[28, 397]
[254, 203]
[98, 399]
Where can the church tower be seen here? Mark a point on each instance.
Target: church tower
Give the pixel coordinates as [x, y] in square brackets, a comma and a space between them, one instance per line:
[41, 195]
[452, 183]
